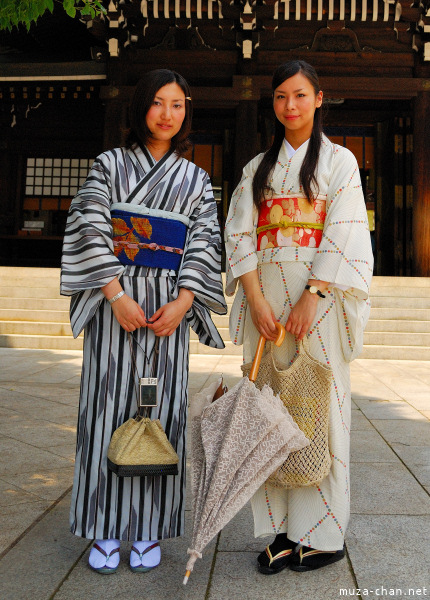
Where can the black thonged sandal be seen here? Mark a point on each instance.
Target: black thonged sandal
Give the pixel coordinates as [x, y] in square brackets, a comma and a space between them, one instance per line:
[270, 563]
[308, 559]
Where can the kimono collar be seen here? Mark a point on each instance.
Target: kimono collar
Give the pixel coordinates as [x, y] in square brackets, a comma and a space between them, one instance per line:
[284, 164]
[290, 150]
[146, 159]
[154, 171]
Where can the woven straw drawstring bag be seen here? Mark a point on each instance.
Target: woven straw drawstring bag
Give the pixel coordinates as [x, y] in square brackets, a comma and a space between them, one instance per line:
[140, 447]
[304, 388]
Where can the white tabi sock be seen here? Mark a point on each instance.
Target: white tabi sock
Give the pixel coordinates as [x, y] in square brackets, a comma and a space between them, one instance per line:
[150, 559]
[98, 560]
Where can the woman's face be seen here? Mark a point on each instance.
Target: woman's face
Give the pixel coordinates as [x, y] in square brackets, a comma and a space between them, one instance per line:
[294, 102]
[167, 113]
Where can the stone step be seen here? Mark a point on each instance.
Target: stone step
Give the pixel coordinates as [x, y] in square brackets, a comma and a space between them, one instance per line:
[222, 331]
[61, 304]
[395, 338]
[396, 352]
[52, 316]
[52, 342]
[62, 316]
[382, 308]
[413, 314]
[27, 273]
[68, 343]
[30, 292]
[57, 311]
[398, 325]
[400, 302]
[35, 328]
[33, 314]
[229, 350]
[399, 291]
[221, 320]
[378, 282]
[45, 342]
[386, 315]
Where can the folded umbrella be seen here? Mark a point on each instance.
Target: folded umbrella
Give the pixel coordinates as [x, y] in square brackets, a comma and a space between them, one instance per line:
[237, 442]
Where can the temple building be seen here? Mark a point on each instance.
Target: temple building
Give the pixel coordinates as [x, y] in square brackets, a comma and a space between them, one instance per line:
[66, 84]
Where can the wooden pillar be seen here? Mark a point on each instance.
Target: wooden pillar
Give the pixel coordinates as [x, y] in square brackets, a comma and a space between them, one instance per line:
[246, 135]
[384, 161]
[115, 122]
[421, 180]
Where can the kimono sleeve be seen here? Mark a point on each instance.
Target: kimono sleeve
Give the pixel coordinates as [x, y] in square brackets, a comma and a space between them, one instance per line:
[88, 260]
[240, 230]
[200, 270]
[345, 256]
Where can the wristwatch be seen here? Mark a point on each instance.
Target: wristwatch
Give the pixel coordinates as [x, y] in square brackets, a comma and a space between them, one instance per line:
[314, 290]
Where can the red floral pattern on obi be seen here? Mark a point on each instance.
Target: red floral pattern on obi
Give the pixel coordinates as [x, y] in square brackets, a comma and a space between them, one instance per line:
[290, 209]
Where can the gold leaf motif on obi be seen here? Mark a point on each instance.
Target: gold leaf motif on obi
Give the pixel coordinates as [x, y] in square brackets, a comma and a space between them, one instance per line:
[305, 207]
[142, 226]
[119, 226]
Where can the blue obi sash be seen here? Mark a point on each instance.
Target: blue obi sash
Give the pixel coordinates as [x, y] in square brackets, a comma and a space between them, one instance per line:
[148, 237]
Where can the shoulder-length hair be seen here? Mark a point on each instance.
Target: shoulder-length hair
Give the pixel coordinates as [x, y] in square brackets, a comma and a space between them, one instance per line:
[145, 92]
[307, 176]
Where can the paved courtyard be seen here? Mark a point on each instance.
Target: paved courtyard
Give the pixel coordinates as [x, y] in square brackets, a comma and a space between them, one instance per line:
[388, 553]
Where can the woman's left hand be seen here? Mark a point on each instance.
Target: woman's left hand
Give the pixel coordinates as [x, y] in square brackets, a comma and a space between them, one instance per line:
[302, 315]
[167, 318]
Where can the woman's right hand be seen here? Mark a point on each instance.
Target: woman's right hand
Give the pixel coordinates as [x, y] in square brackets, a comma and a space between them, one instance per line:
[263, 318]
[261, 312]
[128, 313]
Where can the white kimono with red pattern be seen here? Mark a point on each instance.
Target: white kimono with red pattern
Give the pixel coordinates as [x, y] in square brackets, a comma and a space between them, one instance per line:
[314, 516]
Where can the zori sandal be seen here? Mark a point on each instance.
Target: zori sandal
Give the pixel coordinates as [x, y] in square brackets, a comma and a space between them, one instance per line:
[106, 569]
[269, 564]
[141, 568]
[308, 559]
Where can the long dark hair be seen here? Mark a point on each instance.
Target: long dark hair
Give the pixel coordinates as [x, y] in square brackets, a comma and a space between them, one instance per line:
[143, 98]
[307, 175]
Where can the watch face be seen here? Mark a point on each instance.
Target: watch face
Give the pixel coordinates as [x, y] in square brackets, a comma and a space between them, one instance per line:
[313, 289]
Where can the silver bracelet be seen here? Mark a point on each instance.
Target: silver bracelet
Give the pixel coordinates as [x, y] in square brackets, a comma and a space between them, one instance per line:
[116, 297]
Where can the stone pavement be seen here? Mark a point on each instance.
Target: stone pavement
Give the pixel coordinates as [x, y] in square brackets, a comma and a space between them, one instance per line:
[387, 540]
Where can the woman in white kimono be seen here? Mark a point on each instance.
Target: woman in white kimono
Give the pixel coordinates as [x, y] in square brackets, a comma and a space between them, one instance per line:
[123, 278]
[298, 246]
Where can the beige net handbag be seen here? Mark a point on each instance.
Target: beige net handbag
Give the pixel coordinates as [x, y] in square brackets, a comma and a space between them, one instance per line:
[304, 389]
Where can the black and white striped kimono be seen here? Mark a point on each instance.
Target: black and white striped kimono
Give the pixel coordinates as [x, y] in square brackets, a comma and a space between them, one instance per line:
[105, 506]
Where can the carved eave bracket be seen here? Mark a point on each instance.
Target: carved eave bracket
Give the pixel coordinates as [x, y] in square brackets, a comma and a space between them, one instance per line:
[336, 37]
[242, 22]
[425, 25]
[178, 38]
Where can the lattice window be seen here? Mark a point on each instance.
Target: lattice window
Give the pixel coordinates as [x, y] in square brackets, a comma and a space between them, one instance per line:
[55, 176]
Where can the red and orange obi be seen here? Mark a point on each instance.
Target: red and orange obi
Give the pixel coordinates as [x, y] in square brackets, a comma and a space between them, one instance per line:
[290, 221]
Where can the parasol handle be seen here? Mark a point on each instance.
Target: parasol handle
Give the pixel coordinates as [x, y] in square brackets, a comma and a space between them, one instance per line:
[194, 555]
[187, 575]
[260, 347]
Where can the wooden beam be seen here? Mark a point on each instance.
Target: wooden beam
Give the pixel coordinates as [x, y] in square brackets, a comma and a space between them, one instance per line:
[251, 88]
[399, 88]
[66, 71]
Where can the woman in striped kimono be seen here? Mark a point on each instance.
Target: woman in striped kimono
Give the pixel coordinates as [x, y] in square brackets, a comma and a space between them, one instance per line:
[298, 246]
[121, 279]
